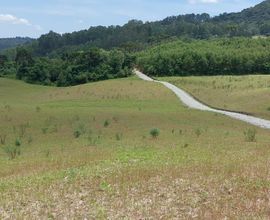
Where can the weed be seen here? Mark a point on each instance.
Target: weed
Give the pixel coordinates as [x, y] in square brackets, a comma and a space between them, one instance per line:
[104, 186]
[198, 132]
[47, 153]
[3, 139]
[38, 109]
[12, 151]
[250, 135]
[18, 142]
[30, 139]
[44, 130]
[22, 130]
[106, 123]
[77, 133]
[154, 132]
[186, 145]
[118, 136]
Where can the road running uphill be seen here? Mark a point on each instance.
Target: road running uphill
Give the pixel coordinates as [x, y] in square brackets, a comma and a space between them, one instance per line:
[190, 102]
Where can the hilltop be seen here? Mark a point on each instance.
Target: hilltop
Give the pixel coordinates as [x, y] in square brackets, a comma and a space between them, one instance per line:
[136, 34]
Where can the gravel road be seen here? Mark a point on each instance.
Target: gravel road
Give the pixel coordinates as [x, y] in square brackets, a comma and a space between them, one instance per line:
[189, 101]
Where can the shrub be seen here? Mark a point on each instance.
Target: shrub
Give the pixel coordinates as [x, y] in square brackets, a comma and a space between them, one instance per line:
[18, 143]
[3, 139]
[44, 130]
[118, 136]
[38, 109]
[12, 151]
[77, 133]
[250, 135]
[106, 123]
[154, 132]
[198, 132]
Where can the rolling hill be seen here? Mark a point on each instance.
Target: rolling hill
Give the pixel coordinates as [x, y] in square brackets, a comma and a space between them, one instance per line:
[6, 43]
[135, 35]
[87, 152]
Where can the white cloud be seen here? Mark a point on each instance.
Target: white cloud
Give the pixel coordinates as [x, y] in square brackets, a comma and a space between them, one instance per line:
[8, 18]
[11, 19]
[203, 1]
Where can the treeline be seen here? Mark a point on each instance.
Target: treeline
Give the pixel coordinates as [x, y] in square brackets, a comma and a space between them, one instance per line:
[6, 43]
[207, 57]
[137, 35]
[73, 68]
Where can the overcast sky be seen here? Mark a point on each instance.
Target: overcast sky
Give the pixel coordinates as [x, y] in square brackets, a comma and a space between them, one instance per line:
[35, 17]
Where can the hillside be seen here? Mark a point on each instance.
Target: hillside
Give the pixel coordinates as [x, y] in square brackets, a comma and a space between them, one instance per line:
[87, 152]
[249, 93]
[259, 14]
[6, 43]
[223, 56]
[136, 35]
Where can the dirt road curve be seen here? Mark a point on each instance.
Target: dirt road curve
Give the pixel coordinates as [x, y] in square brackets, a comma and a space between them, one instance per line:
[189, 101]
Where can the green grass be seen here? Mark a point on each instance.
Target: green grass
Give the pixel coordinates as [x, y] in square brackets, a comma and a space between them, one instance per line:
[248, 94]
[179, 174]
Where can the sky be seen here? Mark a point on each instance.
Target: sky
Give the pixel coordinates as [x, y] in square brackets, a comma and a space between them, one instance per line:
[35, 17]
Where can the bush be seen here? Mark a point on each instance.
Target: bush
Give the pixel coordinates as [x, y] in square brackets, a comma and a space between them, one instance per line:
[118, 136]
[77, 133]
[198, 132]
[154, 132]
[17, 143]
[12, 151]
[3, 139]
[250, 135]
[106, 123]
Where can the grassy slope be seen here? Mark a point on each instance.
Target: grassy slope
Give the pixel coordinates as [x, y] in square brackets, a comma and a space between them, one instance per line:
[237, 93]
[187, 171]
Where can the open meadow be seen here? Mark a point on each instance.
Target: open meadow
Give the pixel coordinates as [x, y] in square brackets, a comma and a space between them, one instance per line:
[128, 149]
[249, 93]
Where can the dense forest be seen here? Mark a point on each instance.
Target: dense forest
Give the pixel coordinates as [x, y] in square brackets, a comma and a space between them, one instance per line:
[6, 43]
[207, 57]
[136, 35]
[73, 68]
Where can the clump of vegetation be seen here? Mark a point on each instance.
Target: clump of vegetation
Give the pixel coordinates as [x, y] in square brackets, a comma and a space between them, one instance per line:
[250, 135]
[44, 130]
[238, 56]
[13, 151]
[106, 123]
[155, 132]
[198, 132]
[38, 109]
[3, 139]
[77, 133]
[18, 142]
[73, 68]
[118, 136]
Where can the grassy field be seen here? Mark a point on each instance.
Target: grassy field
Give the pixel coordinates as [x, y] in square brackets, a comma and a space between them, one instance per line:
[87, 152]
[248, 94]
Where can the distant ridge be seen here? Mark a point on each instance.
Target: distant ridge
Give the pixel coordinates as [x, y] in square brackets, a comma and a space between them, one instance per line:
[6, 43]
[136, 35]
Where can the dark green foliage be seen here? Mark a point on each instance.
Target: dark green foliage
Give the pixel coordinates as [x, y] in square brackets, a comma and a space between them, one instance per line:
[136, 35]
[207, 57]
[73, 68]
[6, 43]
[106, 123]
[17, 142]
[77, 133]
[154, 132]
[12, 151]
